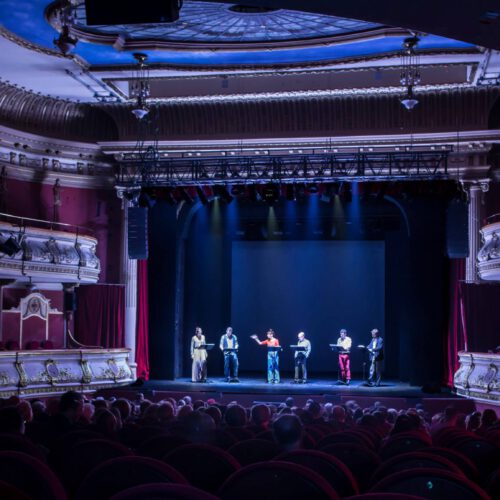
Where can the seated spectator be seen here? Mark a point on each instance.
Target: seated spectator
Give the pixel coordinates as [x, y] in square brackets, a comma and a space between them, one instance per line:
[11, 420]
[235, 416]
[287, 431]
[260, 418]
[215, 413]
[473, 421]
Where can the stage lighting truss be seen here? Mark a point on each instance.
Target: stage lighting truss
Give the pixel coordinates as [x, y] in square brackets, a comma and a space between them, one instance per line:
[154, 170]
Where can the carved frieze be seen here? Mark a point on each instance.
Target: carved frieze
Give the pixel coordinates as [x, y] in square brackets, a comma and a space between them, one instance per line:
[42, 253]
[488, 258]
[478, 376]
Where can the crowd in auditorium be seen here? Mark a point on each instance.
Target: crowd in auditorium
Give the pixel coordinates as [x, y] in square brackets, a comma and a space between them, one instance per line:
[133, 447]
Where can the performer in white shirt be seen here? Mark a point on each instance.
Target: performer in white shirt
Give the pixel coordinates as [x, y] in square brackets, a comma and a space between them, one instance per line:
[301, 359]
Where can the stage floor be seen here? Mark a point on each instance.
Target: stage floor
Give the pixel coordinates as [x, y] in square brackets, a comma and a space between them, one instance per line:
[253, 385]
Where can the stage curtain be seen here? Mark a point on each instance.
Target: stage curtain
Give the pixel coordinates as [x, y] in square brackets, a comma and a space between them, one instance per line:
[142, 343]
[456, 337]
[100, 316]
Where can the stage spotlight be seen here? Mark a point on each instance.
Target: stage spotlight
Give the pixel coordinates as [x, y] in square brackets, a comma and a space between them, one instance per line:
[223, 193]
[271, 193]
[10, 246]
[313, 188]
[290, 192]
[146, 201]
[253, 193]
[186, 196]
[326, 197]
[237, 190]
[201, 195]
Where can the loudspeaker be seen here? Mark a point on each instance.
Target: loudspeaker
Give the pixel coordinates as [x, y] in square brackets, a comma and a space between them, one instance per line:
[457, 230]
[110, 12]
[70, 301]
[10, 246]
[137, 233]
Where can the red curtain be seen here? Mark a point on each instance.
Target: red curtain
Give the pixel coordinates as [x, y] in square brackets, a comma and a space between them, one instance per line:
[456, 338]
[100, 316]
[142, 344]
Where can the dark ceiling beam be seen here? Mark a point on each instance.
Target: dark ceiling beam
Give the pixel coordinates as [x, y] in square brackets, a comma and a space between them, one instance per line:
[457, 19]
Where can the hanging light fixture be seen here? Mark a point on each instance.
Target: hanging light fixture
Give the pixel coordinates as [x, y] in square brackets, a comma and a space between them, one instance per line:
[410, 73]
[140, 87]
[64, 13]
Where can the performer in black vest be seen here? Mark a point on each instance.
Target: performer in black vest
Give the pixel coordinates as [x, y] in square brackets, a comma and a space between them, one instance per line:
[227, 342]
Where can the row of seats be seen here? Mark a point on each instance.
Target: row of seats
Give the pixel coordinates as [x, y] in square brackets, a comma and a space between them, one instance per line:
[13, 345]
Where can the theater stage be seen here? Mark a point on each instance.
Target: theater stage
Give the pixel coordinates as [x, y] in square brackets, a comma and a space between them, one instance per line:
[391, 393]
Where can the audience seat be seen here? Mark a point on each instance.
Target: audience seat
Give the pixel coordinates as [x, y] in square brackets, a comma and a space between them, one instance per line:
[157, 447]
[460, 460]
[10, 492]
[204, 466]
[120, 474]
[329, 467]
[385, 496]
[33, 345]
[13, 345]
[345, 437]
[16, 442]
[161, 491]
[30, 475]
[431, 484]
[485, 455]
[360, 460]
[276, 480]
[47, 344]
[251, 451]
[240, 433]
[224, 439]
[404, 443]
[85, 456]
[413, 460]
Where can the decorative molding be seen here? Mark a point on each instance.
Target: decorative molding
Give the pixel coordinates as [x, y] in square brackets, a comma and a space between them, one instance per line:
[46, 255]
[55, 371]
[488, 257]
[478, 376]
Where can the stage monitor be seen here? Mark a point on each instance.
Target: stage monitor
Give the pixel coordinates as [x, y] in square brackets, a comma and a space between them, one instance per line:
[111, 12]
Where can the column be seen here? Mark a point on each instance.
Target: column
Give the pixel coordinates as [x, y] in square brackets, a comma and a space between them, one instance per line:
[475, 190]
[129, 279]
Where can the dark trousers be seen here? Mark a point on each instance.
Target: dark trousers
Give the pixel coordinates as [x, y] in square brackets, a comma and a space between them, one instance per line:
[300, 366]
[375, 371]
[231, 365]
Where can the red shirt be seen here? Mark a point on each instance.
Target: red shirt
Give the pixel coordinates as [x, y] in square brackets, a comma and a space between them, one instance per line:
[271, 342]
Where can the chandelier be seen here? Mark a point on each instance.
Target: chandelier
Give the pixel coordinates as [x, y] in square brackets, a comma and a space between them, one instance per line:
[410, 73]
[140, 87]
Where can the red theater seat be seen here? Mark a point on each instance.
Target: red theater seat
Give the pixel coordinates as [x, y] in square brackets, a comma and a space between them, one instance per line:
[413, 460]
[158, 447]
[13, 345]
[10, 492]
[251, 451]
[360, 460]
[47, 344]
[33, 345]
[85, 456]
[203, 465]
[327, 466]
[278, 480]
[120, 474]
[15, 442]
[30, 475]
[157, 491]
[404, 443]
[345, 437]
[460, 460]
[384, 496]
[431, 484]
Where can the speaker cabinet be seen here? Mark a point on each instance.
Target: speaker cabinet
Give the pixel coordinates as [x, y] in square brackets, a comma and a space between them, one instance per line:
[137, 233]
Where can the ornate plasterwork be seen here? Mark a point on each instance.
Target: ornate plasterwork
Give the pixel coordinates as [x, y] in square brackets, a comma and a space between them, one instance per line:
[488, 258]
[49, 255]
[478, 376]
[56, 371]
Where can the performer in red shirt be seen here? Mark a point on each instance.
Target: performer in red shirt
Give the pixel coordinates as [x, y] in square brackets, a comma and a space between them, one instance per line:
[273, 373]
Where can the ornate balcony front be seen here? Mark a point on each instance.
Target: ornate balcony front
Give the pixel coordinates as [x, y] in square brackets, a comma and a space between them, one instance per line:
[478, 376]
[488, 258]
[47, 255]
